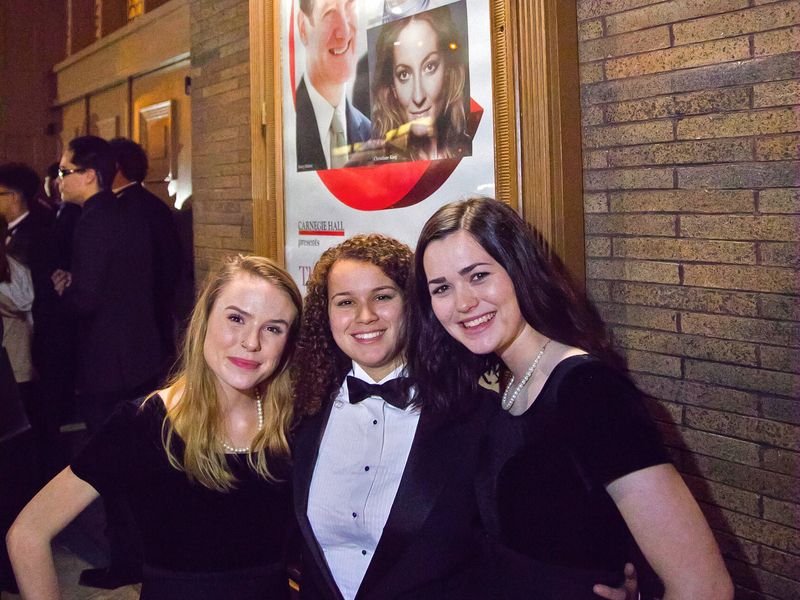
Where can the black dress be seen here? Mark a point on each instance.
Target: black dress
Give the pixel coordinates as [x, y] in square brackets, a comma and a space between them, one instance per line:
[554, 529]
[198, 543]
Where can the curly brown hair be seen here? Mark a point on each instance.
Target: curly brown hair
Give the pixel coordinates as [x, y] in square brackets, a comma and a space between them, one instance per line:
[319, 365]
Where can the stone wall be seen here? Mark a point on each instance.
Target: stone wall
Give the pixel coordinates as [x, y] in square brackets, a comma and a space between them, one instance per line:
[221, 193]
[690, 140]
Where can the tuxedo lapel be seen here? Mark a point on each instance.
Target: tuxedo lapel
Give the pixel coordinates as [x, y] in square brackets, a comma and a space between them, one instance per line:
[306, 449]
[433, 456]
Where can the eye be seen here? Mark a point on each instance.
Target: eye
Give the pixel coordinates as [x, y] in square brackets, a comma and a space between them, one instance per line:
[440, 289]
[344, 303]
[402, 75]
[431, 67]
[384, 297]
[479, 276]
[235, 318]
[277, 330]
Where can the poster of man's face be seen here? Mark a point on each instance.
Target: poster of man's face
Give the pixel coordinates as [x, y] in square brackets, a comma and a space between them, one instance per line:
[381, 81]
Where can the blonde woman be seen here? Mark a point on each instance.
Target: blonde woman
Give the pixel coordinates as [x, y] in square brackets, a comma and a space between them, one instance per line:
[203, 462]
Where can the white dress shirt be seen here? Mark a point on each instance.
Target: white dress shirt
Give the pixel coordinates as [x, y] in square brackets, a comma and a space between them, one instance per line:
[323, 112]
[361, 460]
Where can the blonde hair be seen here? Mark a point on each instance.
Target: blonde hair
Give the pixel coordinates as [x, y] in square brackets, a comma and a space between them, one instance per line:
[195, 419]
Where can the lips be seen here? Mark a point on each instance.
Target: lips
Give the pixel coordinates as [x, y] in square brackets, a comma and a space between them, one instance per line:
[369, 336]
[478, 321]
[340, 51]
[243, 363]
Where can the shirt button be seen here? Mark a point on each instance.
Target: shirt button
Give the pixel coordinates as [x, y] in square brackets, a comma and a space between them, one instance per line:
[375, 422]
[364, 552]
[355, 515]
[366, 468]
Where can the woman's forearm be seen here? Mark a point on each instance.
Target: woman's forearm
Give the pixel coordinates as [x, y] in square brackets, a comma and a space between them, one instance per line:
[32, 559]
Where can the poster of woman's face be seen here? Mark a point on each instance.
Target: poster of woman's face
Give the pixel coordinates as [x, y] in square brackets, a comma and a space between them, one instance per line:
[419, 85]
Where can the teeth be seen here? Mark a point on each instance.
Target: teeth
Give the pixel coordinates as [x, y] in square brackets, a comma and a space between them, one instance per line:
[479, 320]
[339, 52]
[368, 336]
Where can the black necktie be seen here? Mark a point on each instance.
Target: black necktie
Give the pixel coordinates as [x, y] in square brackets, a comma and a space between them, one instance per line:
[394, 392]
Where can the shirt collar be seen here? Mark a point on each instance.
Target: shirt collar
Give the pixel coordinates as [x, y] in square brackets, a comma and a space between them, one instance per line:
[323, 112]
[360, 373]
[124, 187]
[18, 220]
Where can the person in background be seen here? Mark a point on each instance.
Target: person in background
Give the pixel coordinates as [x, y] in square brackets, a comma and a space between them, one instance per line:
[574, 470]
[132, 165]
[111, 292]
[204, 461]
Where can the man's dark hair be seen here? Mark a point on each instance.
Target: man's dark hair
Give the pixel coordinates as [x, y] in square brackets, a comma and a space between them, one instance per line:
[22, 179]
[52, 170]
[92, 152]
[131, 158]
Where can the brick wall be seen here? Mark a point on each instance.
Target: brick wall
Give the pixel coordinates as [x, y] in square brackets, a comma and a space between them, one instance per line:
[221, 192]
[690, 139]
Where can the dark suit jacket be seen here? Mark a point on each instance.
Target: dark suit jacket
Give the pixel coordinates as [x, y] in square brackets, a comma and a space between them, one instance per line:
[119, 347]
[431, 545]
[67, 216]
[32, 244]
[310, 156]
[166, 255]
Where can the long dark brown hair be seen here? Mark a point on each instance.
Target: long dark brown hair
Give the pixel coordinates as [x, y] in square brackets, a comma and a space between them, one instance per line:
[550, 302]
[319, 365]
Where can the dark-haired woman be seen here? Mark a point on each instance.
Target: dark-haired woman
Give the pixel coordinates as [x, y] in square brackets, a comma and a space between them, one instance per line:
[383, 484]
[203, 462]
[576, 466]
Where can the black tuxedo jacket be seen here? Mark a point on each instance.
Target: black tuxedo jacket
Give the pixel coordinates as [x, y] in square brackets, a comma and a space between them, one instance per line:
[167, 255]
[310, 156]
[119, 346]
[431, 545]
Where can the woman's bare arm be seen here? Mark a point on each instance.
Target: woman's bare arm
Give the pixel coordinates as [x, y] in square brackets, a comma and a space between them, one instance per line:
[28, 540]
[672, 533]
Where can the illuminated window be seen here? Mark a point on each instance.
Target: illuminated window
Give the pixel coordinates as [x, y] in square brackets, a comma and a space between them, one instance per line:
[135, 9]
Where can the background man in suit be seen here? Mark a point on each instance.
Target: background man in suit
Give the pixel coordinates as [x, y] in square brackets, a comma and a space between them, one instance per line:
[325, 118]
[111, 290]
[132, 165]
[28, 240]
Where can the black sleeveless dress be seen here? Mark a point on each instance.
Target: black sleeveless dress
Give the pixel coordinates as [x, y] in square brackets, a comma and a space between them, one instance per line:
[554, 531]
[199, 544]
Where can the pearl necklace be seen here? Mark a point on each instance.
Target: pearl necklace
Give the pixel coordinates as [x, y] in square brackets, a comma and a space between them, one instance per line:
[260, 412]
[508, 401]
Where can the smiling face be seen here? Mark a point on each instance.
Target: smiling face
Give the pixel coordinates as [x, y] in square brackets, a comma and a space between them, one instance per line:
[472, 295]
[248, 327]
[329, 35]
[418, 71]
[365, 312]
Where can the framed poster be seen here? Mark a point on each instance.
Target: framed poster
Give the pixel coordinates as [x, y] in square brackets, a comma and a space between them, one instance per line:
[371, 114]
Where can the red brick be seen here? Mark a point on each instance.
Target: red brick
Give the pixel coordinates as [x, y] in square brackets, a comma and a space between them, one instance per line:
[698, 394]
[639, 316]
[740, 227]
[777, 42]
[737, 23]
[759, 279]
[630, 224]
[680, 57]
[632, 270]
[693, 346]
[691, 201]
[685, 250]
[759, 380]
[695, 299]
[626, 43]
[764, 431]
[668, 12]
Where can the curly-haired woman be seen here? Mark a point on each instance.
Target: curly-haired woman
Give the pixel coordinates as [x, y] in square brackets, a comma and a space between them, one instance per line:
[202, 462]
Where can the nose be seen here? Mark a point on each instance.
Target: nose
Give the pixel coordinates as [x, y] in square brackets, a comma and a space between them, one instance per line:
[339, 23]
[252, 340]
[419, 95]
[365, 313]
[465, 299]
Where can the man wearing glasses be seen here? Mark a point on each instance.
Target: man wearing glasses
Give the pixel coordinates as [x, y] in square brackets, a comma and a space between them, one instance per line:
[111, 291]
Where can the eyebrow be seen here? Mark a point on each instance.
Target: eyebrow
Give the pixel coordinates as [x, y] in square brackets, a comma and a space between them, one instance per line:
[461, 272]
[373, 290]
[247, 314]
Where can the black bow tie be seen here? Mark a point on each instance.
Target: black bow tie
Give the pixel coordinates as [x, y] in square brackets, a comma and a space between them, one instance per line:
[394, 392]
